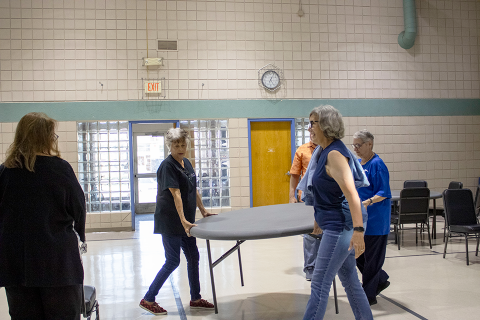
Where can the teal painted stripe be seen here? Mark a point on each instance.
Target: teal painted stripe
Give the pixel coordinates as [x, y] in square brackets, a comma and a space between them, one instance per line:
[207, 109]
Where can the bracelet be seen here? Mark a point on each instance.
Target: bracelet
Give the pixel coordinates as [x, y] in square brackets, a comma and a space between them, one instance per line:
[371, 202]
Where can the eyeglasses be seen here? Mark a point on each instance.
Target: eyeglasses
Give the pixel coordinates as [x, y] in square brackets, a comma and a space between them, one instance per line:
[357, 146]
[55, 136]
[312, 122]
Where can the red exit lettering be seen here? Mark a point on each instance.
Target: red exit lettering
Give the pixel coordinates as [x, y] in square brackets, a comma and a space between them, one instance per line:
[152, 87]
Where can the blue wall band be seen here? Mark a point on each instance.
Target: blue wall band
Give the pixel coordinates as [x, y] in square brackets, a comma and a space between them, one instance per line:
[218, 109]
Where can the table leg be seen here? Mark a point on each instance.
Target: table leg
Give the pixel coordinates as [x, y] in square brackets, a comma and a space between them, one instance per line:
[214, 264]
[240, 262]
[335, 295]
[210, 265]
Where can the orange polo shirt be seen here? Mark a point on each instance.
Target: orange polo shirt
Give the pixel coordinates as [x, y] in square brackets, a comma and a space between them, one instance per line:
[302, 158]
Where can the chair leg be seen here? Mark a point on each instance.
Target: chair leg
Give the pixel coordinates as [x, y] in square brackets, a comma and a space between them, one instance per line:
[478, 242]
[446, 242]
[429, 237]
[395, 230]
[398, 239]
[444, 228]
[416, 233]
[466, 247]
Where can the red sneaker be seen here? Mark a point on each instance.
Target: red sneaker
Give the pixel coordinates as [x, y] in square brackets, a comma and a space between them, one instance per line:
[201, 304]
[153, 308]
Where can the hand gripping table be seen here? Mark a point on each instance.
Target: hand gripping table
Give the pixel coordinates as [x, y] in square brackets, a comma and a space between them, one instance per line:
[257, 223]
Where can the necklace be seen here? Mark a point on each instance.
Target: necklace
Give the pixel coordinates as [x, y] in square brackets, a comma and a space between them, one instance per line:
[373, 154]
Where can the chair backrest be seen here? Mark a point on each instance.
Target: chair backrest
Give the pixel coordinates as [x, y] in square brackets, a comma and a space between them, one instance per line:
[415, 184]
[477, 201]
[458, 205]
[455, 185]
[414, 205]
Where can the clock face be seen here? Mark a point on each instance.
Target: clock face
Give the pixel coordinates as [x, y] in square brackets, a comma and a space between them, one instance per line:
[270, 79]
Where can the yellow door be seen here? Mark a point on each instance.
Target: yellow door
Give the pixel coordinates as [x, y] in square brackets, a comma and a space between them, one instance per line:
[270, 143]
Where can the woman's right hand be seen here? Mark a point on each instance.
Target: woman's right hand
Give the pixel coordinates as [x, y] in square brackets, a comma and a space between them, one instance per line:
[187, 226]
[358, 243]
[316, 229]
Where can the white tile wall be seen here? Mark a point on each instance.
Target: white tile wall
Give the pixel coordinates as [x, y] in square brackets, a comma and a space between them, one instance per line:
[62, 50]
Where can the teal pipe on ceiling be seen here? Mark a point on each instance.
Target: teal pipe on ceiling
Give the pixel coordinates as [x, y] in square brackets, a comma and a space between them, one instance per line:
[406, 38]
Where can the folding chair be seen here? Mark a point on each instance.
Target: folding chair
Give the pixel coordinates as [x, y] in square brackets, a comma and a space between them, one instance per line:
[91, 303]
[460, 217]
[413, 208]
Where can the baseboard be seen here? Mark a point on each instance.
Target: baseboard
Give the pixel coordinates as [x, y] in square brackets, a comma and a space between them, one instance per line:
[117, 229]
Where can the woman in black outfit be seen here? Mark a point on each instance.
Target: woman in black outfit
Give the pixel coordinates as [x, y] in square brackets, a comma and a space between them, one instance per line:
[42, 215]
[177, 201]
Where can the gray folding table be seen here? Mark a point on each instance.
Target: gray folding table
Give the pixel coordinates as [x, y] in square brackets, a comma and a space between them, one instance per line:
[257, 223]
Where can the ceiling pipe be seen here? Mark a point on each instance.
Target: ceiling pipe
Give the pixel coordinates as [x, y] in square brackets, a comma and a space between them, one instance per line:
[406, 38]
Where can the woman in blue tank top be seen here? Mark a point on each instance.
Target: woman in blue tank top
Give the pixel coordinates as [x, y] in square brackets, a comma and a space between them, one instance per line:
[343, 227]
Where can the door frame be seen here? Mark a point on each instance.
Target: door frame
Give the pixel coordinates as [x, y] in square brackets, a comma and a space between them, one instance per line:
[292, 143]
[130, 146]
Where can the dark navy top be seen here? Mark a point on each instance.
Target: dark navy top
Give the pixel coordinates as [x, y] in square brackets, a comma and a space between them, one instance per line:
[171, 174]
[331, 208]
[379, 213]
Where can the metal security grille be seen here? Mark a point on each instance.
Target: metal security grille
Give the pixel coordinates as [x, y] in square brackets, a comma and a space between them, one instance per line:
[301, 131]
[103, 165]
[211, 160]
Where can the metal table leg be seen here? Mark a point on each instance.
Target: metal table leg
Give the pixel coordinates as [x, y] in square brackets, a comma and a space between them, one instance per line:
[240, 262]
[214, 264]
[210, 265]
[335, 295]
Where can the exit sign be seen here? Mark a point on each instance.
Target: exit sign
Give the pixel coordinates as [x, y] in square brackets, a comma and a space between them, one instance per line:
[153, 87]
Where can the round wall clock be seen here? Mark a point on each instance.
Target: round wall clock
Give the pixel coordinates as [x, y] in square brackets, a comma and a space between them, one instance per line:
[270, 78]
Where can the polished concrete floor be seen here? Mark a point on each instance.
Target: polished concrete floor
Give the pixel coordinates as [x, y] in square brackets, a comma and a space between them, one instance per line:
[121, 265]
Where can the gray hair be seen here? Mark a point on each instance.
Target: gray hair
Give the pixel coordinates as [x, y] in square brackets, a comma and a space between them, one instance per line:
[176, 135]
[364, 135]
[330, 121]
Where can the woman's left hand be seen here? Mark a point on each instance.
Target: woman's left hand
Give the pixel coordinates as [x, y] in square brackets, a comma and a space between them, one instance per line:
[357, 243]
[207, 214]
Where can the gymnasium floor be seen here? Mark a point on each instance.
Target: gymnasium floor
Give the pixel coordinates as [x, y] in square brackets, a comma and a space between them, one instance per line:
[121, 265]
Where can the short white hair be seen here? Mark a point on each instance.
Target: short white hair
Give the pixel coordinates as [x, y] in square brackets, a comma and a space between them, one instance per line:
[330, 121]
[176, 135]
[364, 135]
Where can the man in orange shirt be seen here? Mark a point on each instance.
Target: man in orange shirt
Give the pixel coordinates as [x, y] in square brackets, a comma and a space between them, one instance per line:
[298, 169]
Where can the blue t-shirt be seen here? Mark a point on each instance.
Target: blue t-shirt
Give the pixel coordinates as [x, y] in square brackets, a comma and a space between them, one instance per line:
[379, 213]
[331, 208]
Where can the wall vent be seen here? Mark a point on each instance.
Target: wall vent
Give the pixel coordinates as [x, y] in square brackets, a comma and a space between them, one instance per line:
[167, 45]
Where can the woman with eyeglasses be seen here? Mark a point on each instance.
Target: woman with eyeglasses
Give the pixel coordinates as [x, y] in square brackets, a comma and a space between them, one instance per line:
[42, 212]
[376, 199]
[338, 212]
[177, 201]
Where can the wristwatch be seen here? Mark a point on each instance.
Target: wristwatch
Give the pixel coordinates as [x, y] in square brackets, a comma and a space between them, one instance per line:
[359, 229]
[371, 202]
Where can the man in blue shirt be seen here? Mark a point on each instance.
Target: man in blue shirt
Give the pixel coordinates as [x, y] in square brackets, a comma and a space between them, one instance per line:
[376, 199]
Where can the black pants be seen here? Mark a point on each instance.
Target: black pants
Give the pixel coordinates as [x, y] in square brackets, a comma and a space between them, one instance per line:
[370, 264]
[46, 303]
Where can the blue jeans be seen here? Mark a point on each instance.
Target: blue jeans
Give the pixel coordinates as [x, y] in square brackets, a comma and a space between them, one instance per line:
[172, 245]
[310, 249]
[333, 257]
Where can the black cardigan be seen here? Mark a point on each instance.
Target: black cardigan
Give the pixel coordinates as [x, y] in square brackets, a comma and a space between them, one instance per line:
[39, 214]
